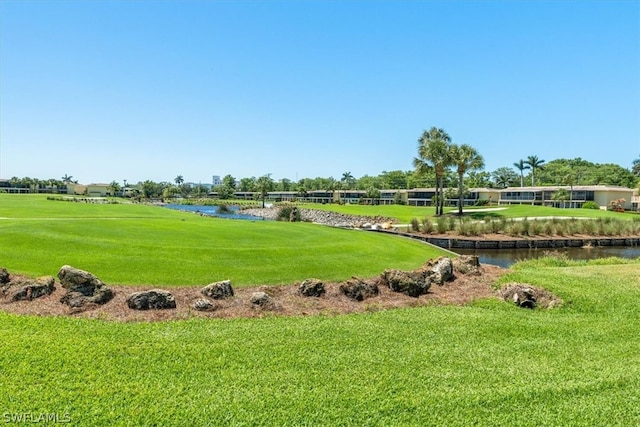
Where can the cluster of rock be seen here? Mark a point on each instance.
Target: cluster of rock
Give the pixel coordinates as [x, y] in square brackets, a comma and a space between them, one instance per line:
[417, 282]
[85, 290]
[20, 288]
[333, 219]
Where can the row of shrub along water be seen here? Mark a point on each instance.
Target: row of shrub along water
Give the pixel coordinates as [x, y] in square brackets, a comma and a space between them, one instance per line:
[527, 227]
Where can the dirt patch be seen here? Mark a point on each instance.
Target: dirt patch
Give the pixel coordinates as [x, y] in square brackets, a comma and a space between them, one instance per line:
[464, 289]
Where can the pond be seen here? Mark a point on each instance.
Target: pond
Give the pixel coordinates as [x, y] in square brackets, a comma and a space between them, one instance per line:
[506, 257]
[214, 211]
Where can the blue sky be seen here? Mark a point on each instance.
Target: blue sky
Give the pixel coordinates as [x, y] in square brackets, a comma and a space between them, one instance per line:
[136, 90]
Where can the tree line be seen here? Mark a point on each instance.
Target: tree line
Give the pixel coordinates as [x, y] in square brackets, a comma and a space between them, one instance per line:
[449, 167]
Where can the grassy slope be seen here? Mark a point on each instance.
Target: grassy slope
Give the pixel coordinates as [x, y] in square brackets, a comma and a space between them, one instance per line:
[404, 214]
[135, 244]
[488, 364]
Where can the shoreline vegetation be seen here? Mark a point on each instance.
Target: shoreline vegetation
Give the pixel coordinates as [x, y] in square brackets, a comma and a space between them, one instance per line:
[454, 227]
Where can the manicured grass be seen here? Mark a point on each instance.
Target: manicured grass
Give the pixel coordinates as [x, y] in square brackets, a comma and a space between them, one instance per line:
[488, 364]
[404, 214]
[145, 245]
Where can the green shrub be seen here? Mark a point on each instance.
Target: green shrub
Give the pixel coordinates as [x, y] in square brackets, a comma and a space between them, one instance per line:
[590, 205]
[415, 225]
[289, 213]
[224, 209]
[442, 225]
[427, 226]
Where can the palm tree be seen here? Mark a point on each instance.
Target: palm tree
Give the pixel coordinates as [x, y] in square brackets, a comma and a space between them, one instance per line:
[178, 180]
[534, 163]
[66, 178]
[521, 166]
[264, 184]
[347, 181]
[465, 158]
[115, 188]
[434, 152]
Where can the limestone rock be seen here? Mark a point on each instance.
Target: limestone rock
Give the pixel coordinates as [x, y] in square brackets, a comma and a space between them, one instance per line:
[218, 290]
[154, 299]
[358, 289]
[440, 270]
[5, 277]
[83, 288]
[467, 264]
[527, 296]
[26, 289]
[262, 299]
[312, 288]
[411, 283]
[203, 305]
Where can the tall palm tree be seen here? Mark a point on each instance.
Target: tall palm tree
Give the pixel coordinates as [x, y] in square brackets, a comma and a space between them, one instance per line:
[434, 152]
[521, 166]
[66, 178]
[178, 180]
[535, 163]
[264, 184]
[465, 158]
[347, 179]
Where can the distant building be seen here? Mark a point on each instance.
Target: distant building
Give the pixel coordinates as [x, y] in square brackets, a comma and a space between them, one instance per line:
[577, 195]
[215, 180]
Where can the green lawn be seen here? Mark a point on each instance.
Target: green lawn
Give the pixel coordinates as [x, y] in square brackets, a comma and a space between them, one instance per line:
[489, 364]
[146, 245]
[404, 214]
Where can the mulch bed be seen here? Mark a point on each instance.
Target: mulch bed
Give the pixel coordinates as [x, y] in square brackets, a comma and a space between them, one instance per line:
[288, 302]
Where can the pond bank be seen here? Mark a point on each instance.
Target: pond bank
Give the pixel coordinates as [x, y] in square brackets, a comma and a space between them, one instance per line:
[506, 242]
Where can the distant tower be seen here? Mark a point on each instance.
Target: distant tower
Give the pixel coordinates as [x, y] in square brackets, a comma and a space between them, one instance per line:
[215, 180]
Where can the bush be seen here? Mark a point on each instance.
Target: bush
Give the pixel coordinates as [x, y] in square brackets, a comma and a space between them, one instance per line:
[415, 225]
[224, 209]
[442, 225]
[427, 226]
[288, 213]
[590, 205]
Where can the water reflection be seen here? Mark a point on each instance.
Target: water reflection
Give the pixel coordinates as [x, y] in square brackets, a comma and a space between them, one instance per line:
[506, 257]
[232, 213]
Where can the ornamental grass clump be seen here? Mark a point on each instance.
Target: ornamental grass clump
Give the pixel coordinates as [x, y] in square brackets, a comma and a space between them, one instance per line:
[441, 225]
[427, 226]
[463, 227]
[415, 225]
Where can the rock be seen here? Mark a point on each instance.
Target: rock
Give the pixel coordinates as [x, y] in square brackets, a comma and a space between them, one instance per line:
[527, 296]
[358, 289]
[440, 270]
[263, 300]
[203, 305]
[218, 290]
[4, 276]
[154, 299]
[260, 298]
[467, 264]
[83, 288]
[312, 288]
[411, 283]
[77, 280]
[28, 290]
